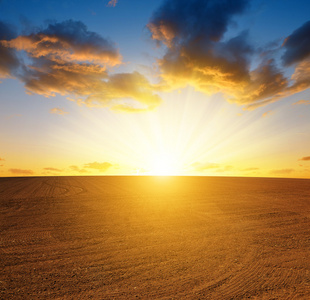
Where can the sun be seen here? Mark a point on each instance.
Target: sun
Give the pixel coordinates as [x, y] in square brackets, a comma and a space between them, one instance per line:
[164, 165]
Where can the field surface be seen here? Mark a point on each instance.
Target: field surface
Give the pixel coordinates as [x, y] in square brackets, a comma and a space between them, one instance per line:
[154, 238]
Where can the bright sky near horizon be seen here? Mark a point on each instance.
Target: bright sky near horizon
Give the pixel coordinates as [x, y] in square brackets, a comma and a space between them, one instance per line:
[160, 87]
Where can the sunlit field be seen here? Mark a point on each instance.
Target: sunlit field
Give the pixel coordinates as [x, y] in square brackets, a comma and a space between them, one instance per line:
[154, 238]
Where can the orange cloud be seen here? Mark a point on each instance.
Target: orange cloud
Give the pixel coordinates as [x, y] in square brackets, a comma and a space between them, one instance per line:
[99, 166]
[281, 171]
[305, 158]
[21, 172]
[70, 60]
[52, 169]
[267, 113]
[112, 3]
[1, 159]
[68, 41]
[77, 169]
[305, 102]
[133, 86]
[58, 111]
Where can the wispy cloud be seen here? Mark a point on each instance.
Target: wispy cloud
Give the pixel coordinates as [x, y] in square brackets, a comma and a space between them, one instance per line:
[58, 111]
[99, 166]
[267, 113]
[200, 167]
[304, 102]
[77, 169]
[21, 172]
[281, 171]
[250, 169]
[305, 158]
[214, 167]
[112, 3]
[2, 159]
[52, 169]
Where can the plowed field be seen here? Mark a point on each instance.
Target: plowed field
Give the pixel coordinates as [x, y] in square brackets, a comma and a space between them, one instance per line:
[154, 238]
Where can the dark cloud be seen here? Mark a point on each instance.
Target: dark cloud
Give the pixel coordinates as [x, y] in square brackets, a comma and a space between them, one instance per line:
[8, 59]
[67, 41]
[305, 158]
[297, 45]
[197, 54]
[21, 172]
[183, 22]
[68, 59]
[192, 32]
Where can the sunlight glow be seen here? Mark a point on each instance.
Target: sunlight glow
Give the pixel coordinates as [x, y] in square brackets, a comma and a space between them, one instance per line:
[164, 165]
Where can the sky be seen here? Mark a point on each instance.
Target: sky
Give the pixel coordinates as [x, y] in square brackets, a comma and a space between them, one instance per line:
[171, 87]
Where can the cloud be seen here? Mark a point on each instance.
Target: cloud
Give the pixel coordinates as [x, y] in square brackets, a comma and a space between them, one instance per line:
[297, 54]
[297, 45]
[225, 169]
[305, 158]
[99, 166]
[57, 110]
[112, 3]
[52, 169]
[267, 113]
[200, 167]
[77, 169]
[198, 54]
[192, 32]
[281, 172]
[9, 62]
[13, 116]
[21, 172]
[305, 102]
[250, 169]
[126, 85]
[2, 159]
[181, 21]
[68, 59]
[68, 41]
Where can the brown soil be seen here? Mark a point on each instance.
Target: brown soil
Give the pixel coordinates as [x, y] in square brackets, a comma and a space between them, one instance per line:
[154, 238]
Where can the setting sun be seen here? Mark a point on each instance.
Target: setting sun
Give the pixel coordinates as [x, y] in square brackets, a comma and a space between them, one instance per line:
[164, 165]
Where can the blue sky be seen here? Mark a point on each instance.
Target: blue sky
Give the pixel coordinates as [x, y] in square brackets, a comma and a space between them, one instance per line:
[155, 87]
